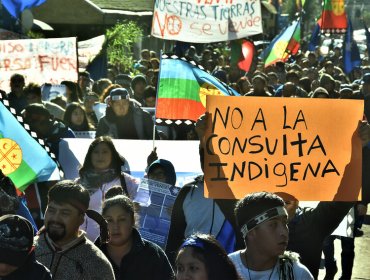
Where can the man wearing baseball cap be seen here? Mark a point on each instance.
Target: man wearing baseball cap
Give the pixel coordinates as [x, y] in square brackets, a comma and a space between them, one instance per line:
[17, 257]
[124, 119]
[263, 222]
[61, 245]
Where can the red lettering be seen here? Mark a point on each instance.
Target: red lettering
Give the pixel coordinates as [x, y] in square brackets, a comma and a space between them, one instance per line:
[159, 23]
[7, 64]
[194, 26]
[207, 27]
[43, 59]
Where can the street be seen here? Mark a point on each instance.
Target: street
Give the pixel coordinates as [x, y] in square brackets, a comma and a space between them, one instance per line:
[361, 268]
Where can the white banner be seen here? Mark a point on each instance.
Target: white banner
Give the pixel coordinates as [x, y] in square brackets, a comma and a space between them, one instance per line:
[205, 21]
[184, 155]
[88, 50]
[39, 60]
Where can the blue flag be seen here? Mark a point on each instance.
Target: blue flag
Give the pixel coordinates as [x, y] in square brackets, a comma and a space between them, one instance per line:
[22, 158]
[16, 7]
[351, 53]
[315, 39]
[367, 33]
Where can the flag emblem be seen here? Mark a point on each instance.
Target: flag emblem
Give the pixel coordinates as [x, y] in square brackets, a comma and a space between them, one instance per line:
[10, 155]
[207, 89]
[338, 7]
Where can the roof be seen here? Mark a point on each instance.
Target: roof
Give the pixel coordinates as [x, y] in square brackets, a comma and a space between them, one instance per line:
[125, 5]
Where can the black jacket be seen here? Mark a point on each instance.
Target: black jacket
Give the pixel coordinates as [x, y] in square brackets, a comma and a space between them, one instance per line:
[31, 270]
[310, 227]
[145, 261]
[137, 124]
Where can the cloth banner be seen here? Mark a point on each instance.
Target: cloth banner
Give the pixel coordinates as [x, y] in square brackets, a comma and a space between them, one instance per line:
[205, 21]
[39, 60]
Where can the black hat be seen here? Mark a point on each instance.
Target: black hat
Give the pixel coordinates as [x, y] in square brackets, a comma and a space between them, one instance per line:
[16, 239]
[118, 94]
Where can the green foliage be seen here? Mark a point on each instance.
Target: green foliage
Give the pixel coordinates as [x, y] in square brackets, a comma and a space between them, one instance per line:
[120, 41]
[35, 35]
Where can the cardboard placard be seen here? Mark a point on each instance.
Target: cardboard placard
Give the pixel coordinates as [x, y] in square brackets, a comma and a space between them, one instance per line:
[308, 148]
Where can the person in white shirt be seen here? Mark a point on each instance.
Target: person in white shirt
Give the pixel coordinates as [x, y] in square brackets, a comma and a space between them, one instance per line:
[263, 222]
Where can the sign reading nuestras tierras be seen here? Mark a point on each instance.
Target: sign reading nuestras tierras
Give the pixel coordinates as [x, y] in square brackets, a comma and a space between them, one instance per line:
[39, 60]
[308, 148]
[205, 21]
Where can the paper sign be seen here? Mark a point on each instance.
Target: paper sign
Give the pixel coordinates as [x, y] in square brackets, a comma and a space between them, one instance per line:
[49, 92]
[156, 201]
[205, 21]
[308, 148]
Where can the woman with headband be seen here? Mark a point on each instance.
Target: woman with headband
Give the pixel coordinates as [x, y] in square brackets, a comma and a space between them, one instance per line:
[201, 257]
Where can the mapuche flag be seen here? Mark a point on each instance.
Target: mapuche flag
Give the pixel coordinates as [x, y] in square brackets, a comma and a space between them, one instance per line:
[22, 158]
[333, 17]
[182, 90]
[285, 44]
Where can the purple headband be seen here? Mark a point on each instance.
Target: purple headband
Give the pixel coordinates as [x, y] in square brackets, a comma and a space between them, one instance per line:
[192, 242]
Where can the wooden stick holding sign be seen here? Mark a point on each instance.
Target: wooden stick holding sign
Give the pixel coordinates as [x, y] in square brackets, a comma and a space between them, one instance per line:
[308, 148]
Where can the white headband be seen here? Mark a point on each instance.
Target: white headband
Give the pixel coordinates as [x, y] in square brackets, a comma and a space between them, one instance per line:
[267, 215]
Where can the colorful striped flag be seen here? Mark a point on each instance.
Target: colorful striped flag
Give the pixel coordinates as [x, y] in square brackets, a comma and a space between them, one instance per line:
[16, 7]
[285, 44]
[22, 158]
[351, 53]
[182, 90]
[333, 17]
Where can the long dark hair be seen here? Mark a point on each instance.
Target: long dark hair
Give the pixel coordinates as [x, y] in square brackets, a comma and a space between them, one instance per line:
[209, 251]
[85, 126]
[117, 159]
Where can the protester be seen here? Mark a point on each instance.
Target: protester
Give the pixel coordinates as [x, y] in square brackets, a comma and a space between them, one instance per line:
[46, 126]
[72, 92]
[61, 245]
[124, 119]
[138, 85]
[75, 118]
[90, 100]
[263, 222]
[84, 82]
[33, 94]
[17, 256]
[150, 96]
[259, 83]
[162, 170]
[16, 97]
[202, 257]
[101, 170]
[131, 256]
[213, 216]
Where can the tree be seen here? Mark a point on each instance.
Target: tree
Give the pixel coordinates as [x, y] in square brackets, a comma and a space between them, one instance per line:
[120, 41]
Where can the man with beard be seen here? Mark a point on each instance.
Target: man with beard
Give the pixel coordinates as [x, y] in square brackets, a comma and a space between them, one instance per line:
[61, 246]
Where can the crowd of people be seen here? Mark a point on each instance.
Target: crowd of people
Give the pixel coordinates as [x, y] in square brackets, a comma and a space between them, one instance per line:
[87, 228]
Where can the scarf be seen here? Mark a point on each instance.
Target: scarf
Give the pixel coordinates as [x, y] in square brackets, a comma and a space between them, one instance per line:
[93, 180]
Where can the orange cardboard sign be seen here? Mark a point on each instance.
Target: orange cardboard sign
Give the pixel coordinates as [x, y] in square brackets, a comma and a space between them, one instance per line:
[308, 148]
